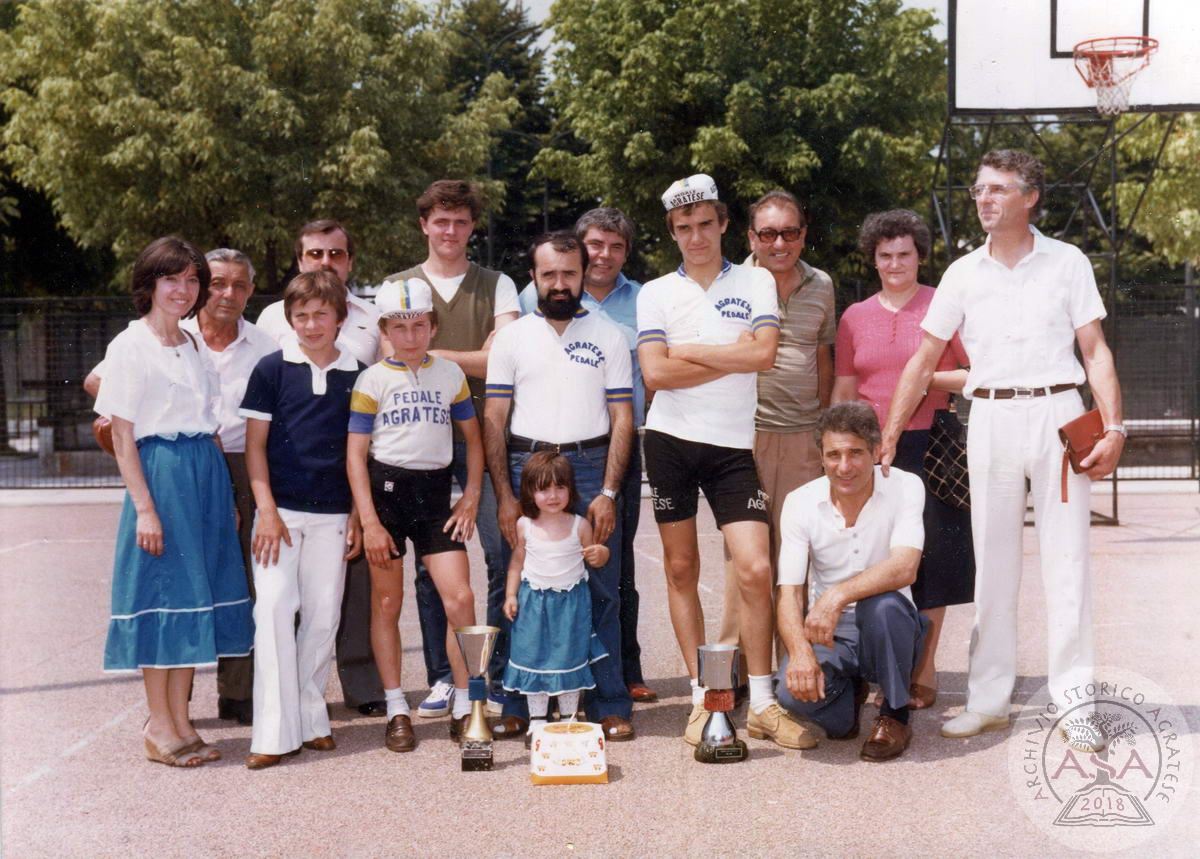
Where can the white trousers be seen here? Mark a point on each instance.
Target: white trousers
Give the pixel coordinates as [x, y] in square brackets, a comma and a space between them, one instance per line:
[1007, 442]
[291, 664]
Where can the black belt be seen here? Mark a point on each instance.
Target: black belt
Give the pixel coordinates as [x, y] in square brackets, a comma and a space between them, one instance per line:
[1021, 393]
[520, 443]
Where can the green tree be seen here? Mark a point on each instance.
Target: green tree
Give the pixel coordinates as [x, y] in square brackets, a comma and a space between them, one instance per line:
[839, 101]
[234, 122]
[1170, 214]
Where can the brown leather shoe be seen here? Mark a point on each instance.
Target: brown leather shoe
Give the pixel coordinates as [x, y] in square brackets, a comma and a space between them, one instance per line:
[321, 744]
[508, 727]
[457, 726]
[888, 740]
[641, 693]
[617, 729]
[256, 761]
[399, 736]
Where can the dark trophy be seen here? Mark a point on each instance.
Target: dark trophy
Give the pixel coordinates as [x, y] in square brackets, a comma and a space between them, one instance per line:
[476, 644]
[717, 668]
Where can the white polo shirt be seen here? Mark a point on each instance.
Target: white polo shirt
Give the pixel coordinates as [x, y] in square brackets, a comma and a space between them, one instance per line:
[560, 385]
[359, 334]
[407, 411]
[1018, 325]
[675, 309]
[234, 364]
[814, 536]
[161, 390]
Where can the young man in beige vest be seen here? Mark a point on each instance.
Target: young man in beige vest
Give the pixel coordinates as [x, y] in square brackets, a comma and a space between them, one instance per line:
[472, 303]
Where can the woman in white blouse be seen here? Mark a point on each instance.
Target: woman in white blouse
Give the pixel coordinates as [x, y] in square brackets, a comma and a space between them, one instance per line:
[179, 596]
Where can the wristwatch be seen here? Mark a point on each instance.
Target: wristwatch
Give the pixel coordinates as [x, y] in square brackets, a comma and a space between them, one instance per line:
[1116, 428]
[610, 494]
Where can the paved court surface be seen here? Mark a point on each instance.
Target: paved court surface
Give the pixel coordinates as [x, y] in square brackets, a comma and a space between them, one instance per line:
[73, 781]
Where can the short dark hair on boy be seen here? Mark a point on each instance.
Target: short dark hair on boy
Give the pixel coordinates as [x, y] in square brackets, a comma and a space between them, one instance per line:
[563, 241]
[321, 285]
[894, 224]
[451, 194]
[165, 256]
[719, 205]
[322, 227]
[543, 469]
[854, 418]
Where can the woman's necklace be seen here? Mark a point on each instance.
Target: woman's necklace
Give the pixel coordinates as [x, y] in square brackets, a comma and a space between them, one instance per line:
[164, 338]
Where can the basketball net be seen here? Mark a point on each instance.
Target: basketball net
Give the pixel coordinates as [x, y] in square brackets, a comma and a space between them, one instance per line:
[1109, 66]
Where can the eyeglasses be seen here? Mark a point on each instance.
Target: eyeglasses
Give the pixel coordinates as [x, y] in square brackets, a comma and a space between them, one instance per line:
[977, 191]
[334, 254]
[790, 234]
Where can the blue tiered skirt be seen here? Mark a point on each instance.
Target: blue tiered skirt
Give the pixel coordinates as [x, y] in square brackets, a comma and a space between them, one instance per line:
[190, 605]
[552, 645]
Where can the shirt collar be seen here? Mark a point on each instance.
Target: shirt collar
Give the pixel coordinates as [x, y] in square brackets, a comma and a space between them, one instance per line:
[877, 489]
[293, 354]
[397, 364]
[193, 324]
[1039, 245]
[579, 314]
[726, 265]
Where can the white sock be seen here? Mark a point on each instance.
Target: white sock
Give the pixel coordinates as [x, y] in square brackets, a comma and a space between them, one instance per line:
[697, 693]
[461, 705]
[539, 704]
[762, 691]
[396, 705]
[568, 705]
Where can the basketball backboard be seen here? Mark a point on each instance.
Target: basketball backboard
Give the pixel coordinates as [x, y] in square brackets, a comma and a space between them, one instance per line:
[1015, 56]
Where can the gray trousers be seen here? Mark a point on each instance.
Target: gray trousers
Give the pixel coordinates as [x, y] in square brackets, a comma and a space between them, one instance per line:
[235, 674]
[882, 647]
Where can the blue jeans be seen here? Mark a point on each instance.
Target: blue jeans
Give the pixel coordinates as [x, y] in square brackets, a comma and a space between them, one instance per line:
[629, 510]
[611, 696]
[432, 615]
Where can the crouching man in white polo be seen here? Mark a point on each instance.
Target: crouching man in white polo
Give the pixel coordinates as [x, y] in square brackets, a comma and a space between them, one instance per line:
[860, 534]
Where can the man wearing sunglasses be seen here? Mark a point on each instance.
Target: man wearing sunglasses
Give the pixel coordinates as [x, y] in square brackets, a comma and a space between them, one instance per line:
[792, 393]
[326, 245]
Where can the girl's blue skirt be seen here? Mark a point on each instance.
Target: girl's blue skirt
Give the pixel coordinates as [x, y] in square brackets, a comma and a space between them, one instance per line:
[190, 605]
[552, 645]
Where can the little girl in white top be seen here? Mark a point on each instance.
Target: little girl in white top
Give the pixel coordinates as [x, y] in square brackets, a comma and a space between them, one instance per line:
[552, 645]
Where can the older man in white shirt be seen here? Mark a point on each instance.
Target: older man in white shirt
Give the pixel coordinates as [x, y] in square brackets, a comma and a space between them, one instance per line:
[1021, 302]
[855, 536]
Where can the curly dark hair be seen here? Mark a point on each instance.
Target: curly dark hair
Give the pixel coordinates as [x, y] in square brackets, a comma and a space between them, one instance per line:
[893, 224]
[854, 418]
[165, 256]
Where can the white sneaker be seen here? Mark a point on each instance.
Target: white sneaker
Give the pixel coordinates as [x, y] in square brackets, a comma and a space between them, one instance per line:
[968, 724]
[437, 703]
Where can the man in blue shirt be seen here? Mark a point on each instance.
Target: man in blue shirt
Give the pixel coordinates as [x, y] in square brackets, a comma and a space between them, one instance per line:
[608, 236]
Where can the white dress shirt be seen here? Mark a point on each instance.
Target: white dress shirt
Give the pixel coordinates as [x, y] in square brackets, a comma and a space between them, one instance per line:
[1018, 325]
[814, 536]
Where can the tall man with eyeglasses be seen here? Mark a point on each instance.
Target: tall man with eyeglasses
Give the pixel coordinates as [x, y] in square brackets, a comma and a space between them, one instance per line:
[1021, 303]
[792, 393]
[327, 245]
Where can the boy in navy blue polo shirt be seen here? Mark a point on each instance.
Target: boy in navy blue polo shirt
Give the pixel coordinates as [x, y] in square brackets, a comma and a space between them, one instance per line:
[297, 406]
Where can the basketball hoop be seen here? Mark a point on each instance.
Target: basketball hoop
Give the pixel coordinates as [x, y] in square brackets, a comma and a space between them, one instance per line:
[1108, 66]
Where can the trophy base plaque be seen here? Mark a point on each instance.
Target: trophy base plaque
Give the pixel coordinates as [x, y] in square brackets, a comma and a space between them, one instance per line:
[476, 756]
[731, 754]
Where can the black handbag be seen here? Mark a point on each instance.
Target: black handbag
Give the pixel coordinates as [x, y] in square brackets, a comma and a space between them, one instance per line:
[946, 460]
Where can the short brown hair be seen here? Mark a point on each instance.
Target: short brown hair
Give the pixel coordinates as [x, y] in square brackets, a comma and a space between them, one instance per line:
[778, 198]
[1028, 168]
[431, 313]
[451, 194]
[894, 224]
[563, 241]
[854, 418]
[166, 256]
[543, 469]
[320, 285]
[719, 205]
[323, 226]
[608, 220]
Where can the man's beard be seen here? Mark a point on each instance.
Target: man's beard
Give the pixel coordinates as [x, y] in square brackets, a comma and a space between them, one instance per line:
[559, 305]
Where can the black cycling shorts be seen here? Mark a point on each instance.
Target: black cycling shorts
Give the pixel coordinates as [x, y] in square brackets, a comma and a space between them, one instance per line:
[414, 505]
[679, 469]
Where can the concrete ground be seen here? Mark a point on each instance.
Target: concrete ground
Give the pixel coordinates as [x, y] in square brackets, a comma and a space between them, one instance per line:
[73, 780]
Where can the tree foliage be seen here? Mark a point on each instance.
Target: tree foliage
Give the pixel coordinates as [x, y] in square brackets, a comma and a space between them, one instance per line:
[1170, 214]
[839, 101]
[234, 122]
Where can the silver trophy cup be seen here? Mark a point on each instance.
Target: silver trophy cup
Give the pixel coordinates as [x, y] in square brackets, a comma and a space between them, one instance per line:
[476, 644]
[717, 666]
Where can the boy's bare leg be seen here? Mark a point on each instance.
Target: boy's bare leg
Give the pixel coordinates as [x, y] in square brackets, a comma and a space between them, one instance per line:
[681, 561]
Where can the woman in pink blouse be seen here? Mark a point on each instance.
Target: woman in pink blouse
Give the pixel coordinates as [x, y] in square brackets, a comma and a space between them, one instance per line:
[875, 339]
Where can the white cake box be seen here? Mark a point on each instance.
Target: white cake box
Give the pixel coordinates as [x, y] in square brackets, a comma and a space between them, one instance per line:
[568, 753]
